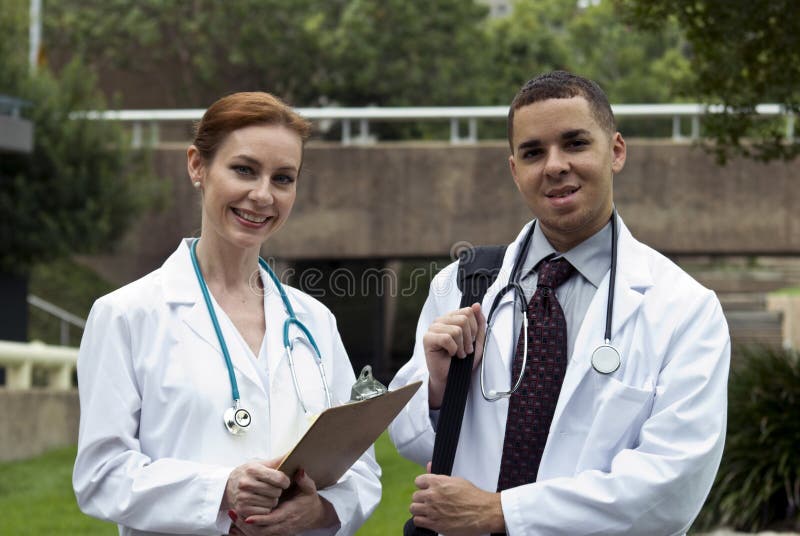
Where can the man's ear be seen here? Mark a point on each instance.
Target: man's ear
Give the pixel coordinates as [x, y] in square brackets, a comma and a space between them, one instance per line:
[619, 150]
[512, 164]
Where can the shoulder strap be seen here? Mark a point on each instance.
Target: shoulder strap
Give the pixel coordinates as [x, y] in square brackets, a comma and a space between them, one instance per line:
[477, 269]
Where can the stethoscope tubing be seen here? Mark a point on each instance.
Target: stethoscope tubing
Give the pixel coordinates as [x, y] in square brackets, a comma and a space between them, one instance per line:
[287, 342]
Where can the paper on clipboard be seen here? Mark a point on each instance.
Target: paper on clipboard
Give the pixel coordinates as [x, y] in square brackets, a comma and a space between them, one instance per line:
[340, 435]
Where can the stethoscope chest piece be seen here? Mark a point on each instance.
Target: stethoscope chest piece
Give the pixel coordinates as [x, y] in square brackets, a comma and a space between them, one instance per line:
[605, 359]
[236, 419]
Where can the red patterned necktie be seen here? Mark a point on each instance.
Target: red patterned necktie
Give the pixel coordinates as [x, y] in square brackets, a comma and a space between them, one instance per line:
[531, 407]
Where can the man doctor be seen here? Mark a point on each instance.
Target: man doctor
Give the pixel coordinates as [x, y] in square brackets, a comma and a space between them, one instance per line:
[577, 448]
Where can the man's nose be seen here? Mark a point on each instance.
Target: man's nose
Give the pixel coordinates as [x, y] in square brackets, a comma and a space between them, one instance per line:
[557, 163]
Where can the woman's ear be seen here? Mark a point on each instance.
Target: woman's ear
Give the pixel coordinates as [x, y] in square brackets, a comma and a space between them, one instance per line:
[195, 166]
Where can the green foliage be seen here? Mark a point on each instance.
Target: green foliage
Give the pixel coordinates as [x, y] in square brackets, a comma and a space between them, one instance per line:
[78, 190]
[81, 185]
[42, 484]
[197, 51]
[758, 484]
[743, 53]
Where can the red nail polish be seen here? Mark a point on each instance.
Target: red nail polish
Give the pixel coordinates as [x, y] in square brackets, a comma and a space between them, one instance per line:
[232, 515]
[301, 473]
[248, 521]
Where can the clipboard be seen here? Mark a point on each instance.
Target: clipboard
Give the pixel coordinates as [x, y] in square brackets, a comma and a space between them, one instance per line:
[340, 435]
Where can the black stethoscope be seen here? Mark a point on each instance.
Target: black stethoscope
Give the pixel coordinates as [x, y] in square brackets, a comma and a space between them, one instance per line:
[605, 358]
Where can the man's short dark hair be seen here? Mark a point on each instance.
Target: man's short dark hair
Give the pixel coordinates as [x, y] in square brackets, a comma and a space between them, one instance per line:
[563, 85]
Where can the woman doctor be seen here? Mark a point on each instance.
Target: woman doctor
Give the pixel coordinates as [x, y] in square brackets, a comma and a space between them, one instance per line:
[162, 360]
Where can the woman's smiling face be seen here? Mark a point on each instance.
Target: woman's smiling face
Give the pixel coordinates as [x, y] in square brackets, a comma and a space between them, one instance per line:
[249, 186]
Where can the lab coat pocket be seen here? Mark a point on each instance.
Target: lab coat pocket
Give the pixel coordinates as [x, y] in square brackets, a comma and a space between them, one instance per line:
[620, 410]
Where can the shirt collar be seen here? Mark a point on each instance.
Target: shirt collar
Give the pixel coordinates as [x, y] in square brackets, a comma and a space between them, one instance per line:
[591, 258]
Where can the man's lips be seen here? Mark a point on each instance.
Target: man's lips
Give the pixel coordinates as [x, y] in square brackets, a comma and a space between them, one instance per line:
[562, 192]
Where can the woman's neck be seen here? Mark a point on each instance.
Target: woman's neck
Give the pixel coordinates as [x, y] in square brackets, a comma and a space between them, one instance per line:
[225, 266]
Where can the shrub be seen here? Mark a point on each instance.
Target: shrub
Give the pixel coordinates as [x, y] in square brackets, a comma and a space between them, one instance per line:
[758, 484]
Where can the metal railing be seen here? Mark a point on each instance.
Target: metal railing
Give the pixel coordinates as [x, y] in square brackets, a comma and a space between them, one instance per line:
[65, 317]
[455, 115]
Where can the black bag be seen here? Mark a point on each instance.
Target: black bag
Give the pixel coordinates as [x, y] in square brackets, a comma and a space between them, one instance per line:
[477, 269]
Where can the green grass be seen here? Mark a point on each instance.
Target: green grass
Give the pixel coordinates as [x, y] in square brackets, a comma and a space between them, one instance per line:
[36, 496]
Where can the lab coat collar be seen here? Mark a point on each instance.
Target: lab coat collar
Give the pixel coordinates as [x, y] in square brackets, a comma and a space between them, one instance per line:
[180, 287]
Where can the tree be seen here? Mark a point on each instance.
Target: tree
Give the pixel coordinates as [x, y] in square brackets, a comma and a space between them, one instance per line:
[631, 66]
[742, 53]
[79, 189]
[195, 52]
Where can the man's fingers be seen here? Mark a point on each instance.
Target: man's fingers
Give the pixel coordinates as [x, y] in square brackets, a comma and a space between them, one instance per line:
[436, 342]
[481, 333]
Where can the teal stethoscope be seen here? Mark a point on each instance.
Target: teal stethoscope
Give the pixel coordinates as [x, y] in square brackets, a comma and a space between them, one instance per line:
[605, 358]
[236, 418]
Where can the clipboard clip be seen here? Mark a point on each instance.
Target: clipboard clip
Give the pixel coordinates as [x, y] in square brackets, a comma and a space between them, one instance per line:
[366, 386]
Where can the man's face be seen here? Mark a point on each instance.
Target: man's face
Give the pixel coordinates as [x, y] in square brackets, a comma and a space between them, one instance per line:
[563, 163]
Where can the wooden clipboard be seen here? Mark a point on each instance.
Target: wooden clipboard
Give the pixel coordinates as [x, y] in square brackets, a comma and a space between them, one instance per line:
[340, 435]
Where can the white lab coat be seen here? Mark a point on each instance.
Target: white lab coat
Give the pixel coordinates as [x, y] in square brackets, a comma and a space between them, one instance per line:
[153, 453]
[633, 452]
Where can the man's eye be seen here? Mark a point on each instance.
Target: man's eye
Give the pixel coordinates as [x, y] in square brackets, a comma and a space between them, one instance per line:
[578, 143]
[531, 153]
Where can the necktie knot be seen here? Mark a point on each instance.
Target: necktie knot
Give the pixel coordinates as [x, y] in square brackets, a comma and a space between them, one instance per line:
[553, 273]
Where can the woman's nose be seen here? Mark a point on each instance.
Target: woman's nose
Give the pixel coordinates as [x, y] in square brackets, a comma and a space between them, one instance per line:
[261, 192]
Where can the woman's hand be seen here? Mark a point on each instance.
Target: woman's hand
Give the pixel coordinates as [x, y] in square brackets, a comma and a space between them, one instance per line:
[303, 511]
[254, 488]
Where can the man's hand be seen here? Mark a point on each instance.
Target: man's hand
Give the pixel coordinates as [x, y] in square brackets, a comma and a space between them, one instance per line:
[455, 507]
[458, 333]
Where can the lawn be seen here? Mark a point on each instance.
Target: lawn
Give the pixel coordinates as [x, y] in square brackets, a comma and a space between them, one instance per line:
[36, 496]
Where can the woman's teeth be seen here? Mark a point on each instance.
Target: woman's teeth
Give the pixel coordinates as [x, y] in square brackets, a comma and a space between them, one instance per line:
[250, 217]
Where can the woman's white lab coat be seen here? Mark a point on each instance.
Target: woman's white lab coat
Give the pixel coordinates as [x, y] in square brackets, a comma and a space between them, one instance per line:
[632, 452]
[153, 453]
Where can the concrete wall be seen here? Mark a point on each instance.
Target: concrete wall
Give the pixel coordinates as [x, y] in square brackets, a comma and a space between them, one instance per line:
[37, 420]
[418, 200]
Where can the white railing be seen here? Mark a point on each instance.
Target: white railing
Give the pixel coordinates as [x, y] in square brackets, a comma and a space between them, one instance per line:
[19, 360]
[455, 115]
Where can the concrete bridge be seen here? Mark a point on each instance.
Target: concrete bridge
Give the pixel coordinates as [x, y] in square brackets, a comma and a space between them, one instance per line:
[365, 212]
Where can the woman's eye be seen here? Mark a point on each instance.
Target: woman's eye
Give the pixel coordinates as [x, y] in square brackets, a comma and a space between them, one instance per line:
[243, 170]
[283, 179]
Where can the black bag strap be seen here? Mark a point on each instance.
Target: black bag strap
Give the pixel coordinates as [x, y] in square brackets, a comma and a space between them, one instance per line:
[477, 269]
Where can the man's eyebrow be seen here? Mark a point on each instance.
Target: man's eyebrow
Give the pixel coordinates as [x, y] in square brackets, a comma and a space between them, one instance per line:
[528, 144]
[570, 134]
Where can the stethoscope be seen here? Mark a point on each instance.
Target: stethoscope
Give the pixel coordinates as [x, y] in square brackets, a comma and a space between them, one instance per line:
[236, 418]
[605, 358]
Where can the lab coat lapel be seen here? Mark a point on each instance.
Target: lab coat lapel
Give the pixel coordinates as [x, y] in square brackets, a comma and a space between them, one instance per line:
[181, 288]
[633, 279]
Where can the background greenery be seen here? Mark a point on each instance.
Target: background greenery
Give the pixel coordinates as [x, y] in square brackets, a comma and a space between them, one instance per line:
[36, 496]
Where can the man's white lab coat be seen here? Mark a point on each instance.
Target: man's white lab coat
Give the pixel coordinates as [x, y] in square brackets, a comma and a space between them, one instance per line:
[632, 452]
